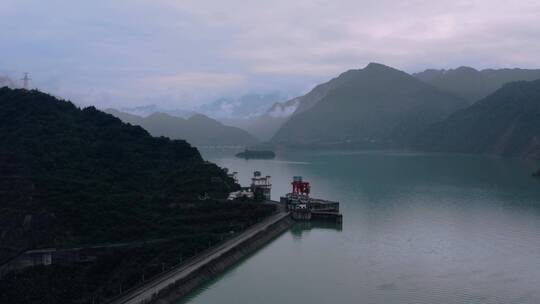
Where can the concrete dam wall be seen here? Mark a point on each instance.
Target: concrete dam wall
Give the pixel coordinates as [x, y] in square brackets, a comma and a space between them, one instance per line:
[211, 270]
[176, 284]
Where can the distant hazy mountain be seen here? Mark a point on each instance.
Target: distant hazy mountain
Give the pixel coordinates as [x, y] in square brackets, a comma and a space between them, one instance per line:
[150, 109]
[472, 84]
[198, 130]
[247, 106]
[375, 106]
[506, 123]
[263, 127]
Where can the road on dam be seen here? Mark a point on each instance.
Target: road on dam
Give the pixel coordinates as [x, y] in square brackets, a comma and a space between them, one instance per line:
[144, 293]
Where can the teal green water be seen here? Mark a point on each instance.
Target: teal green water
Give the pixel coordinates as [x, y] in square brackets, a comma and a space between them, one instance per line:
[418, 228]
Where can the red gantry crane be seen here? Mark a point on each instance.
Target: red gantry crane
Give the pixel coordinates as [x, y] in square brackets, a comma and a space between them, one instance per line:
[299, 187]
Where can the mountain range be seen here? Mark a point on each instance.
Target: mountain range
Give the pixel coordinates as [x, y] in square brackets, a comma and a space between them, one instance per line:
[198, 129]
[244, 107]
[472, 84]
[250, 112]
[271, 118]
[265, 126]
[377, 106]
[147, 110]
[374, 107]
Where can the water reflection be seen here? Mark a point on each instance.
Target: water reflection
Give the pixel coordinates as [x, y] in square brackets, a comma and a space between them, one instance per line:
[300, 228]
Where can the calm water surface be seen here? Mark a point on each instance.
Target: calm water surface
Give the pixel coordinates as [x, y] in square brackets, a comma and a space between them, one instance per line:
[418, 228]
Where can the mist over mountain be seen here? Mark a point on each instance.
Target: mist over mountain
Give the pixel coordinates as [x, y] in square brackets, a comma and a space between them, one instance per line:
[302, 103]
[283, 109]
[147, 110]
[506, 123]
[472, 84]
[244, 107]
[198, 129]
[377, 106]
[265, 126]
[249, 112]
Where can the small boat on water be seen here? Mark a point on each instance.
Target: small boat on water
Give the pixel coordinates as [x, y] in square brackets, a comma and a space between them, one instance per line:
[256, 154]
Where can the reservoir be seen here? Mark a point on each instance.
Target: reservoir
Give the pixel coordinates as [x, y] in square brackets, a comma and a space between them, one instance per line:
[417, 228]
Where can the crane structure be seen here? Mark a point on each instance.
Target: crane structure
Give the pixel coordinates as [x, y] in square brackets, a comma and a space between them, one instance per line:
[299, 187]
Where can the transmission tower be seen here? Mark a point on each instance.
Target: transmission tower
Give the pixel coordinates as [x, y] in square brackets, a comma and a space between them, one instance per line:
[26, 80]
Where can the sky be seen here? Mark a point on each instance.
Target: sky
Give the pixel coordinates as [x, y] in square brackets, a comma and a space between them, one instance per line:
[120, 53]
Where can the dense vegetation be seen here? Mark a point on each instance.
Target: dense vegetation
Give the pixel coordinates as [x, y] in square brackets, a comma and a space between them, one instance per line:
[377, 106]
[74, 177]
[199, 129]
[506, 123]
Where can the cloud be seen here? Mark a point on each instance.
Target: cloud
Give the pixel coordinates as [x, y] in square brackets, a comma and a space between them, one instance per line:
[285, 36]
[6, 82]
[195, 80]
[191, 51]
[280, 110]
[297, 68]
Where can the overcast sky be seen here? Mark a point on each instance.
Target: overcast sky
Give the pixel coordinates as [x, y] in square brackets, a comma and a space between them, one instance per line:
[180, 53]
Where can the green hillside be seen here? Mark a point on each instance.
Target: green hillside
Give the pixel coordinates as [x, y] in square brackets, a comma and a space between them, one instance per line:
[76, 177]
[198, 130]
[506, 123]
[377, 106]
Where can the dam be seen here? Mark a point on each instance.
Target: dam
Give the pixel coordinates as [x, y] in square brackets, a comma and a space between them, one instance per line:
[178, 282]
[175, 284]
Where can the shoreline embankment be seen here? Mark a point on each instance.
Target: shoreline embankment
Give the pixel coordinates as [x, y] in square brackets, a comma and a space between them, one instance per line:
[174, 285]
